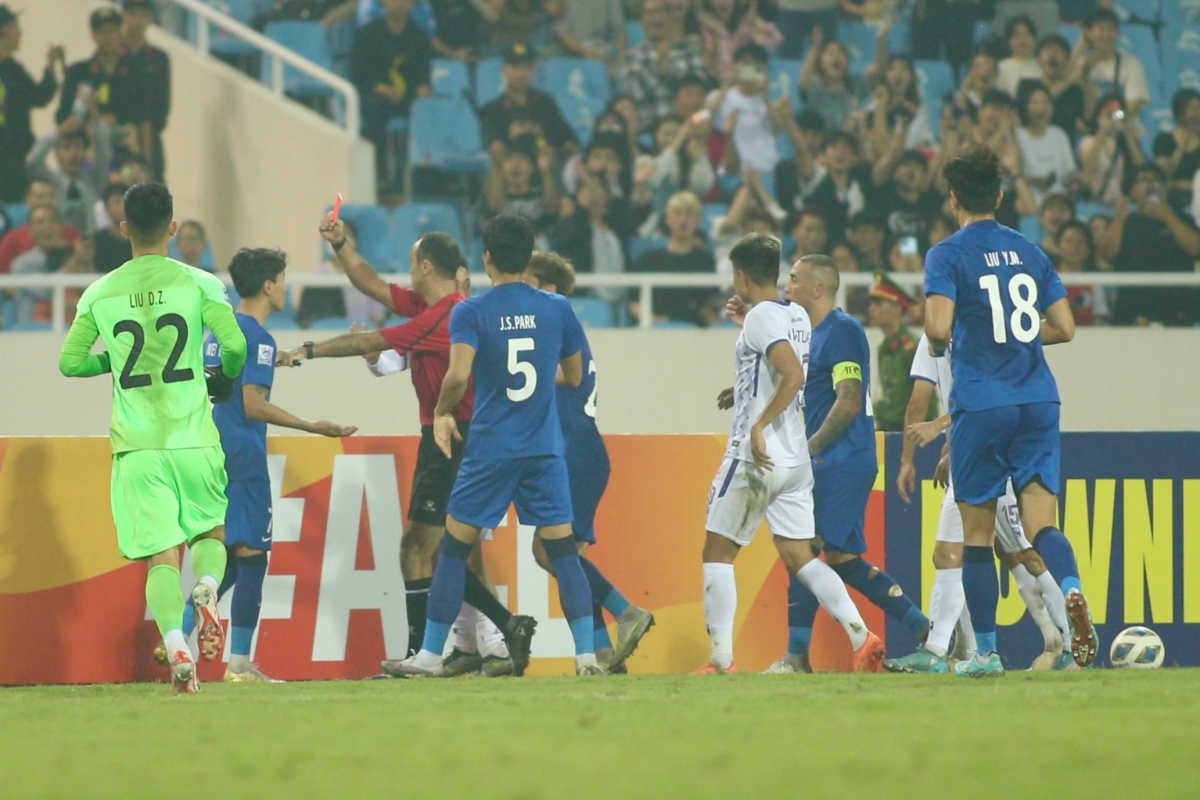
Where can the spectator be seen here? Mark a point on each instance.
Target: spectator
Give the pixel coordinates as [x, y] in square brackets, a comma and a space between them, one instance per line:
[797, 19]
[682, 20]
[191, 241]
[513, 189]
[905, 198]
[904, 255]
[105, 74]
[996, 131]
[810, 234]
[460, 26]
[838, 186]
[980, 79]
[150, 78]
[1196, 198]
[20, 240]
[1097, 226]
[509, 22]
[1177, 152]
[21, 95]
[727, 25]
[77, 185]
[51, 252]
[681, 164]
[826, 84]
[1106, 71]
[1047, 161]
[1062, 81]
[1076, 253]
[1022, 63]
[621, 117]
[593, 29]
[112, 247]
[521, 98]
[945, 29]
[1108, 158]
[941, 229]
[857, 297]
[896, 106]
[389, 65]
[328, 302]
[684, 253]
[750, 121]
[593, 230]
[806, 131]
[607, 156]
[753, 210]
[131, 172]
[1152, 228]
[650, 69]
[868, 235]
[690, 94]
[1057, 210]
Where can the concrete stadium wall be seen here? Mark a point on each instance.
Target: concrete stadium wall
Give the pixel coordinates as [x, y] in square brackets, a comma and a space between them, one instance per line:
[665, 381]
[257, 170]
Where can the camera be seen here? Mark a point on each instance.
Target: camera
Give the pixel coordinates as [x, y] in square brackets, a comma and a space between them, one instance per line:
[1118, 115]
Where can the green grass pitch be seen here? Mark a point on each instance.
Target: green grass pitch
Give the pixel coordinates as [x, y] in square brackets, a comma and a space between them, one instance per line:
[1100, 733]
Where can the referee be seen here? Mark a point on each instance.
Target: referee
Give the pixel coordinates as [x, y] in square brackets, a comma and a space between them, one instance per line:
[435, 260]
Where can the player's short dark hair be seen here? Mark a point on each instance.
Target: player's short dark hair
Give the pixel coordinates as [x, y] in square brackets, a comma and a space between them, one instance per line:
[825, 268]
[112, 190]
[751, 51]
[758, 255]
[509, 240]
[251, 267]
[552, 269]
[148, 211]
[1101, 15]
[442, 251]
[1010, 27]
[974, 178]
[1180, 100]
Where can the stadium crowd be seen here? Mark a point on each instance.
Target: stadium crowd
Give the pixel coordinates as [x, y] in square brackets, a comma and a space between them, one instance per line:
[825, 122]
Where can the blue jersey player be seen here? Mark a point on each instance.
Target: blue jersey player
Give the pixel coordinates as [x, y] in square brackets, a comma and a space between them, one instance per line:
[837, 415]
[588, 467]
[258, 276]
[999, 297]
[513, 340]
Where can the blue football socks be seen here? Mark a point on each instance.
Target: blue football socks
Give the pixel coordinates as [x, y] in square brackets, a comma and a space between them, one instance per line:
[247, 602]
[884, 592]
[189, 610]
[600, 635]
[982, 588]
[573, 592]
[446, 593]
[603, 591]
[802, 612]
[1056, 551]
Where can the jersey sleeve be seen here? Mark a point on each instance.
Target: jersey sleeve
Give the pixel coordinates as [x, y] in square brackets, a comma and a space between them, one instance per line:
[573, 337]
[1052, 285]
[924, 365]
[463, 326]
[422, 333]
[260, 359]
[407, 302]
[218, 318]
[848, 351]
[939, 271]
[760, 332]
[77, 359]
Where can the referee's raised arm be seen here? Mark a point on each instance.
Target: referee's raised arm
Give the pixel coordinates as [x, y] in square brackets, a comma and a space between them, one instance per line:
[361, 274]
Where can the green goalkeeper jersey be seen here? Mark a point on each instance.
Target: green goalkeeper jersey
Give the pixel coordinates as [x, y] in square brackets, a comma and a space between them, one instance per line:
[151, 314]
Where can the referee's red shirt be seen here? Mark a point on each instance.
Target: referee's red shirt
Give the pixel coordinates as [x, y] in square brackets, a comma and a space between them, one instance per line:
[425, 339]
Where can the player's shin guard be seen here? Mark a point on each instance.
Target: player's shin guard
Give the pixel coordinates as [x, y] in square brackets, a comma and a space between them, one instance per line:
[1056, 551]
[189, 611]
[600, 635]
[445, 594]
[720, 607]
[983, 594]
[949, 586]
[879, 587]
[802, 613]
[416, 602]
[247, 603]
[478, 595]
[209, 559]
[831, 592]
[603, 592]
[573, 592]
[164, 598]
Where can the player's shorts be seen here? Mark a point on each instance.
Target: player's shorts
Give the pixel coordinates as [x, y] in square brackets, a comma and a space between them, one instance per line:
[434, 477]
[539, 486]
[989, 447]
[841, 509]
[163, 498]
[742, 496]
[248, 520]
[1009, 532]
[589, 469]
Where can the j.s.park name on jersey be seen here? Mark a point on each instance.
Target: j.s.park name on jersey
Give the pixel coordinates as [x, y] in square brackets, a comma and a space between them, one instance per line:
[521, 322]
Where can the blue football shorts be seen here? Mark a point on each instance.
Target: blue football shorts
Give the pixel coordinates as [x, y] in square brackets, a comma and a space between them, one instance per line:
[988, 447]
[840, 508]
[589, 468]
[539, 486]
[248, 520]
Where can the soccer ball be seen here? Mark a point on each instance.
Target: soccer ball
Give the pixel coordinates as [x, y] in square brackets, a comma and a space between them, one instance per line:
[1139, 648]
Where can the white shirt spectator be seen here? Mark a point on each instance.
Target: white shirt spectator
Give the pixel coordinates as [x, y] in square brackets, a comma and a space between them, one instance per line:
[754, 135]
[1131, 77]
[1196, 198]
[1013, 71]
[1049, 154]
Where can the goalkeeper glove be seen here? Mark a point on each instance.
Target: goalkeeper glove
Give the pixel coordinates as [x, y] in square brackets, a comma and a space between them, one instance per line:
[220, 388]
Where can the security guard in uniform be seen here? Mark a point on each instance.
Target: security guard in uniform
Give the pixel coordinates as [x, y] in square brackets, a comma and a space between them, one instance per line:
[888, 305]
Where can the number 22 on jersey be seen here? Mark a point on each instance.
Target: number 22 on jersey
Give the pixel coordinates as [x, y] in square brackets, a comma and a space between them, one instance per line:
[1025, 321]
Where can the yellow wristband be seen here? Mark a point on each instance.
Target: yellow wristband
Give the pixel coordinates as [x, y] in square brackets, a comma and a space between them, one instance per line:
[846, 371]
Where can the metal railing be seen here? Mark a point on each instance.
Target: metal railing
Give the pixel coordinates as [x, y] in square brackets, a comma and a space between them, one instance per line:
[280, 57]
[645, 283]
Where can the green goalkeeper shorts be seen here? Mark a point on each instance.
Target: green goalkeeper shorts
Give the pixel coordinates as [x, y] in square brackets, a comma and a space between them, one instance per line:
[163, 498]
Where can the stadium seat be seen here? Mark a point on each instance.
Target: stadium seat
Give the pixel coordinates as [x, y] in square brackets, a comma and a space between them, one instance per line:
[593, 312]
[8, 313]
[709, 213]
[784, 79]
[634, 34]
[1139, 40]
[26, 327]
[936, 80]
[983, 29]
[412, 221]
[573, 77]
[224, 44]
[1144, 10]
[449, 78]
[1031, 229]
[489, 81]
[674, 323]
[307, 39]
[641, 245]
[1181, 57]
[443, 133]
[1071, 33]
[580, 113]
[1086, 211]
[18, 214]
[375, 241]
[859, 38]
[1181, 13]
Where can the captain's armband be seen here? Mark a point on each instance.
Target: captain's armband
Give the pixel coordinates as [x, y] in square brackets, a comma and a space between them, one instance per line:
[846, 371]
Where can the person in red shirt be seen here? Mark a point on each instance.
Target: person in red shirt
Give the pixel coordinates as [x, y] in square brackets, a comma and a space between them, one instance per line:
[438, 275]
[19, 241]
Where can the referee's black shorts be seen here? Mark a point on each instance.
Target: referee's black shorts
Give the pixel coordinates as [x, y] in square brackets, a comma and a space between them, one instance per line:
[434, 477]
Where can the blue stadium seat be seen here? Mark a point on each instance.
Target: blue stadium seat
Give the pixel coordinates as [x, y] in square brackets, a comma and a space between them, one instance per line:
[307, 39]
[593, 312]
[983, 29]
[8, 313]
[709, 212]
[1031, 229]
[224, 44]
[443, 132]
[634, 34]
[859, 38]
[18, 214]
[207, 259]
[341, 40]
[1139, 40]
[489, 81]
[676, 324]
[935, 80]
[581, 113]
[1145, 10]
[1071, 33]
[574, 78]
[1181, 57]
[784, 78]
[375, 241]
[449, 78]
[412, 221]
[1086, 211]
[26, 327]
[1181, 13]
[642, 245]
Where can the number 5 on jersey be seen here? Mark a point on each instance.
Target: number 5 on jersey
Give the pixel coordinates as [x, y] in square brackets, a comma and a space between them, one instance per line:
[518, 367]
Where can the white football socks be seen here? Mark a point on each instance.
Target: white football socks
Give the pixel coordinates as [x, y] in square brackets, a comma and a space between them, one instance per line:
[464, 629]
[965, 646]
[1056, 603]
[944, 614]
[1031, 593]
[720, 606]
[174, 642]
[211, 583]
[489, 639]
[831, 593]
